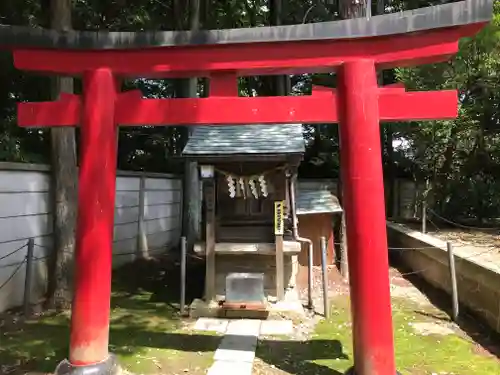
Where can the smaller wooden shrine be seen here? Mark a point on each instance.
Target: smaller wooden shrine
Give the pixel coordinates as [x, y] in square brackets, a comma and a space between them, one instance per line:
[318, 212]
[246, 226]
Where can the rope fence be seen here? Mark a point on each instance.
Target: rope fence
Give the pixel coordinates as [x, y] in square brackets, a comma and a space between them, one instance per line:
[458, 225]
[489, 248]
[466, 253]
[13, 252]
[30, 259]
[12, 275]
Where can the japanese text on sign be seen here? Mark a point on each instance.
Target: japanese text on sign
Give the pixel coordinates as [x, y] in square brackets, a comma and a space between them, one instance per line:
[278, 217]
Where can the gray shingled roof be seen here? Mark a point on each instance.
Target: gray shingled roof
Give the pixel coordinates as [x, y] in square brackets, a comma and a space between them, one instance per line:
[245, 139]
[316, 197]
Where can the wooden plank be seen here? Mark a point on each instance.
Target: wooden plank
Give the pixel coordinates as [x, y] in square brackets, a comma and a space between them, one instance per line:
[210, 239]
[244, 233]
[251, 59]
[238, 110]
[280, 269]
[280, 263]
[261, 248]
[394, 105]
[397, 105]
[62, 112]
[223, 84]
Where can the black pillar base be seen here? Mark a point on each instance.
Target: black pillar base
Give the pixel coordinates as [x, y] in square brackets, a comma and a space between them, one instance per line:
[108, 367]
[352, 372]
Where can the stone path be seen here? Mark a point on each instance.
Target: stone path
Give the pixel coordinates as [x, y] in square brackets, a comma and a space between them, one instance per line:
[236, 352]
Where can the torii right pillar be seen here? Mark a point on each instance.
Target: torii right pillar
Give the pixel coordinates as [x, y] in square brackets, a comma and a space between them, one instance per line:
[363, 200]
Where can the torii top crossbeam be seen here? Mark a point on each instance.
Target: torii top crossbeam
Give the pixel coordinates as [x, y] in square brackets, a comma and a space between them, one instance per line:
[412, 37]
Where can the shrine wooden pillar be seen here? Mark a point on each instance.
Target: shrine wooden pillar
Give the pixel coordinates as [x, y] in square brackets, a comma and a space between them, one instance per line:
[209, 193]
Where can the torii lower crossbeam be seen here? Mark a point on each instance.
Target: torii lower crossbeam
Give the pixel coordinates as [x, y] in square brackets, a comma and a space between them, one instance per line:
[320, 107]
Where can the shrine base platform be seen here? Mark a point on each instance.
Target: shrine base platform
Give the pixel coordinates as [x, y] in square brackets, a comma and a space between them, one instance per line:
[291, 305]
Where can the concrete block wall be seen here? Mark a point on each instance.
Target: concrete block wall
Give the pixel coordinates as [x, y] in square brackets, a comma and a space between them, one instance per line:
[477, 282]
[147, 220]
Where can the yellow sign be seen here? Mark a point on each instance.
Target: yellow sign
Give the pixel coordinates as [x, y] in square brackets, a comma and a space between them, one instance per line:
[278, 217]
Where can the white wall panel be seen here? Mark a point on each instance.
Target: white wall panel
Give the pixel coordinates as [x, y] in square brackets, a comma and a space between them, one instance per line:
[25, 212]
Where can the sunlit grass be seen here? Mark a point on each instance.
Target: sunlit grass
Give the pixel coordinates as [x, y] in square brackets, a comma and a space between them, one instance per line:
[146, 334]
[416, 354]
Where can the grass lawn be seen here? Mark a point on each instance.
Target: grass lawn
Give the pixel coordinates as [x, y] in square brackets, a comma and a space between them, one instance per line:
[146, 334]
[330, 349]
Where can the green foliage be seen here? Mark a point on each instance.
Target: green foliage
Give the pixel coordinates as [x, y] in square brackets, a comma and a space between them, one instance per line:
[462, 157]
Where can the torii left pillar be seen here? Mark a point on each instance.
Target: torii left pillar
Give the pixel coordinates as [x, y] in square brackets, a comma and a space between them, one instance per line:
[88, 352]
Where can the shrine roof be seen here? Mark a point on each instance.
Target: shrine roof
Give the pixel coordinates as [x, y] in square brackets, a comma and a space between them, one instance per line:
[245, 139]
[316, 197]
[418, 20]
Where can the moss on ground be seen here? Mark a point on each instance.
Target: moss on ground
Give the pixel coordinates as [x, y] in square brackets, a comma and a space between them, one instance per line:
[330, 349]
[152, 339]
[146, 333]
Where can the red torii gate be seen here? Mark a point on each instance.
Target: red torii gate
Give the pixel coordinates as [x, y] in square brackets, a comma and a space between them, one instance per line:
[358, 105]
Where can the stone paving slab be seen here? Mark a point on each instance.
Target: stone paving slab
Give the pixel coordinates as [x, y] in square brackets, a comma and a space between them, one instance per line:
[267, 327]
[236, 348]
[211, 325]
[236, 352]
[244, 327]
[276, 327]
[230, 368]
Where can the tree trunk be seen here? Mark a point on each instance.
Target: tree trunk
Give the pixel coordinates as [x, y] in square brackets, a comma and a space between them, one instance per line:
[348, 9]
[381, 7]
[390, 175]
[276, 14]
[188, 88]
[65, 178]
[352, 9]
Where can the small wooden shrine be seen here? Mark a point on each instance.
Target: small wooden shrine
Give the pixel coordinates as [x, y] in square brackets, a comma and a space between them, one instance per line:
[318, 212]
[246, 223]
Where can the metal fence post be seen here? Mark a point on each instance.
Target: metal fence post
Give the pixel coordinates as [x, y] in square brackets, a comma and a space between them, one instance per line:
[453, 280]
[183, 275]
[28, 277]
[424, 216]
[424, 207]
[324, 276]
[344, 262]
